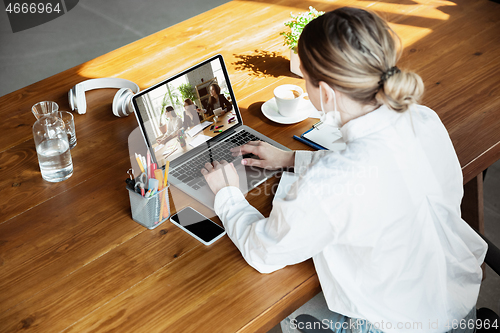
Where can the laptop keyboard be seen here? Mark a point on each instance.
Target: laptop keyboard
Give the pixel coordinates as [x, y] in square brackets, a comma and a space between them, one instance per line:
[189, 172]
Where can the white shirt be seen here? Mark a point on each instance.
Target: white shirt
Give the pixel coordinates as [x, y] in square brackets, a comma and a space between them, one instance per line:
[381, 220]
[173, 125]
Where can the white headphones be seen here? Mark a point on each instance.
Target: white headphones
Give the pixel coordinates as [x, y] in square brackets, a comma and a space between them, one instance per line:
[122, 102]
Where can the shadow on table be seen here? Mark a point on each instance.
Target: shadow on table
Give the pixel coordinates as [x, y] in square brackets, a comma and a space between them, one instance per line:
[263, 64]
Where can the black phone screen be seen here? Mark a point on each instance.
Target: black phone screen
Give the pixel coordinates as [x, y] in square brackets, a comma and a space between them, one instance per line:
[198, 224]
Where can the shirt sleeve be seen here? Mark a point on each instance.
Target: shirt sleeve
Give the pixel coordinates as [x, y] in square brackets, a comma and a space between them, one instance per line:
[169, 128]
[304, 159]
[287, 237]
[173, 125]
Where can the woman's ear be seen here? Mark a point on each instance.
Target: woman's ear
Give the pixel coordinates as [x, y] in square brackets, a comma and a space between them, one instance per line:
[327, 93]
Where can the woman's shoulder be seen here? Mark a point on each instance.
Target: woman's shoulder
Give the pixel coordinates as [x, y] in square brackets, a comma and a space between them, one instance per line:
[427, 121]
[425, 112]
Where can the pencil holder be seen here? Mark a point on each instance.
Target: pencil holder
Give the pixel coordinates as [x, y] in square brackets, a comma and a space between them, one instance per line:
[150, 212]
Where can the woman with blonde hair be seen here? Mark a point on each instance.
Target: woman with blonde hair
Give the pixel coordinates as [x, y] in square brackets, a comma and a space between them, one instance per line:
[380, 219]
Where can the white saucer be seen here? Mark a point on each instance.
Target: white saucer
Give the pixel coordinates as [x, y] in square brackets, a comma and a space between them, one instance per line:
[270, 110]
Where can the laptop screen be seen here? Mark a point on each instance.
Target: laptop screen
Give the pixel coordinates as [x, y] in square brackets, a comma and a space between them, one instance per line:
[187, 111]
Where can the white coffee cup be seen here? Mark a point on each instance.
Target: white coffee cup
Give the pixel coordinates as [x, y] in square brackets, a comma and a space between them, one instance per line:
[287, 98]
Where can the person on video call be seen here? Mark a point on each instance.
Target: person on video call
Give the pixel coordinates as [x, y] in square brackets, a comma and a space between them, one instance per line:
[217, 100]
[174, 124]
[381, 219]
[191, 115]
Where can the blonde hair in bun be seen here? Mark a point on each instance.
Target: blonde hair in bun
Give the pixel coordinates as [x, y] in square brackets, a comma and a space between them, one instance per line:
[355, 52]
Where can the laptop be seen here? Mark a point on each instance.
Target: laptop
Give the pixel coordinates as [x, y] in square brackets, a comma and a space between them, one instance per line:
[189, 145]
[218, 112]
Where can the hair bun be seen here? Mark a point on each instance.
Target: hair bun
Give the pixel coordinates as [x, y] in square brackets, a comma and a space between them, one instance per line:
[384, 77]
[353, 50]
[400, 89]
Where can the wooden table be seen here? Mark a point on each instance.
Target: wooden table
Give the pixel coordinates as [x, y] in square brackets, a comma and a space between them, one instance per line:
[73, 260]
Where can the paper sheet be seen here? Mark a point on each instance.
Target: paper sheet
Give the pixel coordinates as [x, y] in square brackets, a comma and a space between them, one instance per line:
[199, 140]
[198, 128]
[170, 148]
[327, 136]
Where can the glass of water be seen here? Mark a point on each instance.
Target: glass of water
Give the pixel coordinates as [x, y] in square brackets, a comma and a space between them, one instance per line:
[52, 147]
[69, 123]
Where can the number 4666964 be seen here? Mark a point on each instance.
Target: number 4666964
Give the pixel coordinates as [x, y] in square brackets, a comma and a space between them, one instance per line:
[32, 8]
[471, 324]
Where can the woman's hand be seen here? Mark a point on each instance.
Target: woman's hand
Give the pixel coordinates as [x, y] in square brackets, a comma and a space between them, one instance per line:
[164, 138]
[161, 139]
[270, 157]
[219, 175]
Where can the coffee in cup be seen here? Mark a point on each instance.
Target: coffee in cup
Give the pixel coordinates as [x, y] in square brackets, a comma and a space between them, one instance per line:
[287, 98]
[289, 94]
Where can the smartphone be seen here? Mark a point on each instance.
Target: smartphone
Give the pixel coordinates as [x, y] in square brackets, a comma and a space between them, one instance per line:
[198, 226]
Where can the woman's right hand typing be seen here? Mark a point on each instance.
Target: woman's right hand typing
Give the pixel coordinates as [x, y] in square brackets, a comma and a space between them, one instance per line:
[269, 157]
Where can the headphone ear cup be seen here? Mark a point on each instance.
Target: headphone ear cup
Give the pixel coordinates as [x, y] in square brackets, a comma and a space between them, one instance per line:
[80, 102]
[128, 108]
[71, 99]
[121, 102]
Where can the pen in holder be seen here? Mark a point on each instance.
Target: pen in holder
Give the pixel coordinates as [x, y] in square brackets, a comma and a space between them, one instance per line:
[150, 212]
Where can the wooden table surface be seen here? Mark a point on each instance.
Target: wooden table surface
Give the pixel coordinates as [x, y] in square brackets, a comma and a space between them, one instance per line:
[73, 260]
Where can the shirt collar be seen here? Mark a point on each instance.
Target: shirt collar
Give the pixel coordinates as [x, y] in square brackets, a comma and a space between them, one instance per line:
[369, 123]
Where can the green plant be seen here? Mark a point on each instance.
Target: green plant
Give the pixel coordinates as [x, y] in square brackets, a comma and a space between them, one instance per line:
[164, 102]
[187, 91]
[174, 97]
[296, 25]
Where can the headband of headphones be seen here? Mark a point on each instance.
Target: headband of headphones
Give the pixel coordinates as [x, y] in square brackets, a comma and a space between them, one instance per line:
[122, 105]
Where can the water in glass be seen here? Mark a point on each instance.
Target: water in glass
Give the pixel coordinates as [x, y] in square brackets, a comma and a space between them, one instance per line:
[55, 160]
[52, 147]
